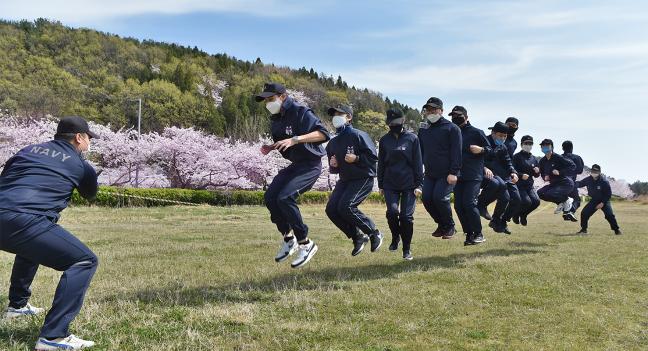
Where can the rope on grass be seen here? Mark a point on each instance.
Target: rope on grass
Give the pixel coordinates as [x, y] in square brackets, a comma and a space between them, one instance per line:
[149, 198]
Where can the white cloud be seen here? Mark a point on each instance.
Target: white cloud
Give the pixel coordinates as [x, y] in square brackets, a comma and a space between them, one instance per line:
[81, 12]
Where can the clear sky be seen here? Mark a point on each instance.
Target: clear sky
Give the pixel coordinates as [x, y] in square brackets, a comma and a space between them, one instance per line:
[573, 70]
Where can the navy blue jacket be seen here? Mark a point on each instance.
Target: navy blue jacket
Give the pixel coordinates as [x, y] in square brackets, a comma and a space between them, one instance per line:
[441, 148]
[599, 190]
[511, 145]
[499, 161]
[524, 162]
[362, 146]
[578, 161]
[40, 179]
[400, 165]
[564, 166]
[472, 167]
[295, 119]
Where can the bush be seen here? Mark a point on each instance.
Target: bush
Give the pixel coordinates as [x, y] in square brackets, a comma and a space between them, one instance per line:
[148, 197]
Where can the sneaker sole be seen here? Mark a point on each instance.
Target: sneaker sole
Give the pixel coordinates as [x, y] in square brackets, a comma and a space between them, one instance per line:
[308, 258]
[408, 258]
[359, 251]
[377, 247]
[279, 260]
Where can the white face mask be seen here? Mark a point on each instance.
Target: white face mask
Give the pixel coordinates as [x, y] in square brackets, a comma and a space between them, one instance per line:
[595, 175]
[527, 148]
[339, 121]
[274, 106]
[433, 118]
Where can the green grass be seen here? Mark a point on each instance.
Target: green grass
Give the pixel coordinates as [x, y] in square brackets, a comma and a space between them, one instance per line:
[187, 278]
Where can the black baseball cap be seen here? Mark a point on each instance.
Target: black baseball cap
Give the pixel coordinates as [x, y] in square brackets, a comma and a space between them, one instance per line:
[458, 110]
[527, 138]
[512, 120]
[434, 102]
[568, 146]
[394, 113]
[270, 89]
[500, 127]
[340, 109]
[74, 125]
[596, 168]
[547, 142]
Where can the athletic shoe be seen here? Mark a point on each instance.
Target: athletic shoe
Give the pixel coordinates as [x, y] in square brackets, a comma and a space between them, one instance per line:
[69, 343]
[376, 240]
[559, 208]
[478, 238]
[483, 211]
[449, 234]
[568, 216]
[469, 239]
[516, 219]
[28, 310]
[438, 232]
[407, 255]
[523, 220]
[617, 232]
[568, 204]
[359, 244]
[287, 248]
[304, 254]
[582, 231]
[394, 245]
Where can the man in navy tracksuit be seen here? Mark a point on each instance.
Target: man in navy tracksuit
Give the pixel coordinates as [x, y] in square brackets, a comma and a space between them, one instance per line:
[298, 135]
[441, 150]
[598, 189]
[511, 144]
[528, 168]
[35, 186]
[400, 179]
[499, 162]
[352, 155]
[554, 169]
[475, 146]
[568, 151]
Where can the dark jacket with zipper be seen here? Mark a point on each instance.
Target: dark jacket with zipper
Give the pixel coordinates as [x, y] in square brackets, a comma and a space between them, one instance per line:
[440, 148]
[400, 165]
[359, 143]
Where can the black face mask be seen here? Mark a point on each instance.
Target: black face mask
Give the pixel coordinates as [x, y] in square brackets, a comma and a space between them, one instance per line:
[396, 129]
[458, 120]
[512, 130]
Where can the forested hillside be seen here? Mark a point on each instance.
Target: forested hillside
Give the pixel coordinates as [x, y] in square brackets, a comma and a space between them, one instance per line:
[47, 68]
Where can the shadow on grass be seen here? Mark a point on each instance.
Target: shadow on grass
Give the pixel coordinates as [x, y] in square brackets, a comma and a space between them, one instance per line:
[328, 279]
[14, 332]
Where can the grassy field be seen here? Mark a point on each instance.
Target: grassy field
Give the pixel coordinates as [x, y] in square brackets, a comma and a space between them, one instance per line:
[204, 278]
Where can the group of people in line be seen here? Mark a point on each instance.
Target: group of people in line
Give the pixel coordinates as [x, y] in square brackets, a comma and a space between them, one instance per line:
[447, 156]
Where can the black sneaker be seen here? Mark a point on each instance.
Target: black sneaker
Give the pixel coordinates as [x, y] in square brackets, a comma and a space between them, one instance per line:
[478, 238]
[568, 216]
[469, 239]
[359, 244]
[449, 234]
[483, 211]
[376, 240]
[493, 224]
[523, 220]
[393, 246]
[582, 231]
[407, 255]
[617, 232]
[505, 230]
[516, 219]
[438, 232]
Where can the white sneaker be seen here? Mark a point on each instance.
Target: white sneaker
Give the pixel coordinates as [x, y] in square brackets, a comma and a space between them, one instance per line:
[559, 208]
[28, 310]
[69, 343]
[286, 249]
[567, 205]
[304, 254]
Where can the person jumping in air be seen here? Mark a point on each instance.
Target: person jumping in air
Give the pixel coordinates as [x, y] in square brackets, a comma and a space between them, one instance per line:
[598, 189]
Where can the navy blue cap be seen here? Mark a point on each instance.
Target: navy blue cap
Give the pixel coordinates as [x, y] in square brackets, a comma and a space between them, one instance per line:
[434, 102]
[74, 125]
[394, 113]
[547, 142]
[527, 138]
[512, 120]
[458, 110]
[340, 109]
[500, 127]
[596, 168]
[270, 89]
